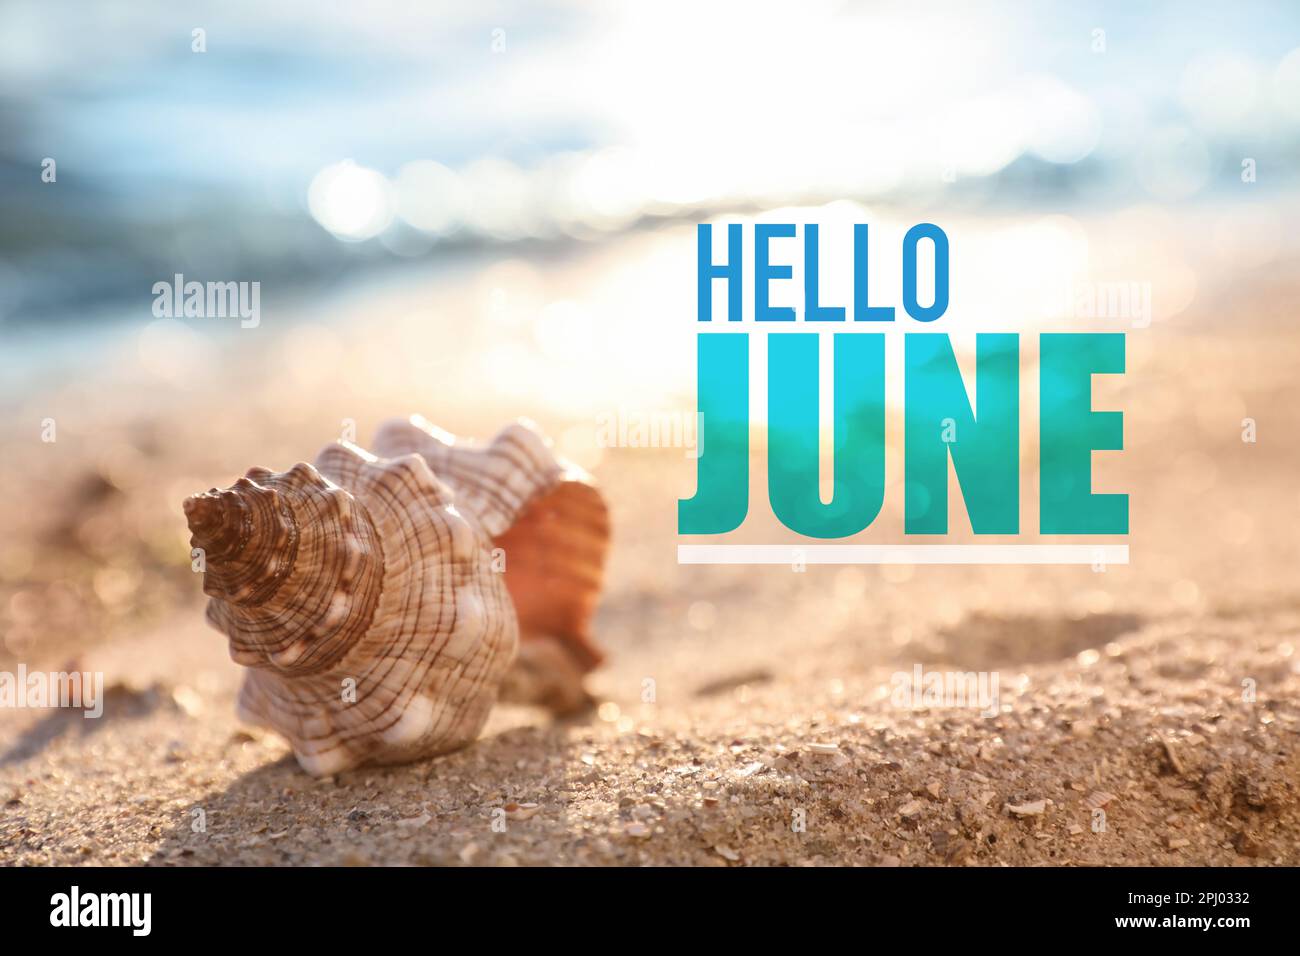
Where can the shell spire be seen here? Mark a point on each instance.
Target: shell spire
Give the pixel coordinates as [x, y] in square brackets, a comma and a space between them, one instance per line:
[291, 565]
[366, 597]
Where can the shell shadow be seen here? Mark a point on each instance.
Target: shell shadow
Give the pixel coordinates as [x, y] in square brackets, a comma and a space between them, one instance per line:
[470, 806]
[120, 703]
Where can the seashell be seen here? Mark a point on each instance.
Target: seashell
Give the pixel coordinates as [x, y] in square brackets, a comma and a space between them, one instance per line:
[378, 599]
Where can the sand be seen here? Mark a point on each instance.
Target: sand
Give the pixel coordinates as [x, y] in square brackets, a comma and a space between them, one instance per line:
[1148, 714]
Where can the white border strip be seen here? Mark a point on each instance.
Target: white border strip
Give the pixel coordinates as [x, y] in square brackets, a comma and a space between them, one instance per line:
[1093, 554]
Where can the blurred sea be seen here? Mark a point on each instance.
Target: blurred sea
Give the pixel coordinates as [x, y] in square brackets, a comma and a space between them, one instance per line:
[316, 148]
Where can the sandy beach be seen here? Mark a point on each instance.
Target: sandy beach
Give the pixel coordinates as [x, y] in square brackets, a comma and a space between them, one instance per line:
[1148, 712]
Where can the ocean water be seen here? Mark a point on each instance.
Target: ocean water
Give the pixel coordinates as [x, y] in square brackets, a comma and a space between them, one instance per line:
[320, 148]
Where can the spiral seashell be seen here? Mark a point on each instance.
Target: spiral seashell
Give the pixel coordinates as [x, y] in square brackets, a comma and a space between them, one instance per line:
[377, 600]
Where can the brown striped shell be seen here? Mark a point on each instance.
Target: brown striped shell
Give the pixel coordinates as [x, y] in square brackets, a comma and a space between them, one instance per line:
[377, 599]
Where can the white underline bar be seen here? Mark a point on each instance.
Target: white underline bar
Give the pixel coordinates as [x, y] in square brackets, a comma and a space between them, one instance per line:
[1096, 554]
